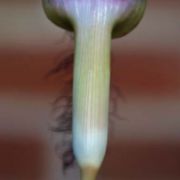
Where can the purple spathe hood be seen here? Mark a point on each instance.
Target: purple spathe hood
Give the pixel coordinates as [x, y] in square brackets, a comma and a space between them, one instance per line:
[120, 15]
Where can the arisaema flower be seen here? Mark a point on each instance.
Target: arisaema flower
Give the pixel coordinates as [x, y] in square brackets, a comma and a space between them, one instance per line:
[94, 23]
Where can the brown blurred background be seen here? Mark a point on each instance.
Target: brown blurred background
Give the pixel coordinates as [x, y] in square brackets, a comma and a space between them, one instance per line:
[144, 144]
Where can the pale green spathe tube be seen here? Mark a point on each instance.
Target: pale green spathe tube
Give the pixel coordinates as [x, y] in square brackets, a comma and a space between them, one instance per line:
[91, 95]
[94, 22]
[91, 92]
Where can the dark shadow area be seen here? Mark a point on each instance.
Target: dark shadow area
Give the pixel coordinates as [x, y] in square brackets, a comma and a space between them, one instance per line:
[137, 160]
[21, 158]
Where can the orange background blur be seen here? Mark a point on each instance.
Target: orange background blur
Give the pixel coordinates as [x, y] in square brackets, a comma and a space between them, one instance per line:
[145, 145]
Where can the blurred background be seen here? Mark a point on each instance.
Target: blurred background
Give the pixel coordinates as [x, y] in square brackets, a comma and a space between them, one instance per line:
[144, 144]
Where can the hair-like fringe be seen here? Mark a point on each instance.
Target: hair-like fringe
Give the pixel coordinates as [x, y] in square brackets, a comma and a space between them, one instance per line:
[62, 106]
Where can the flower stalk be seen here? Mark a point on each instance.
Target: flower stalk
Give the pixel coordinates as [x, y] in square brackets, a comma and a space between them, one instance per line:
[89, 173]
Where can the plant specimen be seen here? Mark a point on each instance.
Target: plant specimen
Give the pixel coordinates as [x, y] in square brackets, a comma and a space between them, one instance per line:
[94, 23]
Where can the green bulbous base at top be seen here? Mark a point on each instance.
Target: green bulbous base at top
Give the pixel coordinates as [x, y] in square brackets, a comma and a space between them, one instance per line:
[121, 15]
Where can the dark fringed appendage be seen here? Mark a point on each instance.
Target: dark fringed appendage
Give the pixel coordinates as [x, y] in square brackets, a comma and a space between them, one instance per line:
[63, 109]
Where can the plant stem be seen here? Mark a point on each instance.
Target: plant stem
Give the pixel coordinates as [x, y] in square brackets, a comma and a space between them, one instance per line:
[91, 96]
[88, 173]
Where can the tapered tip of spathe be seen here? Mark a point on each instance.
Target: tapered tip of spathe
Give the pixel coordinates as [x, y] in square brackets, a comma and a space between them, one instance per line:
[89, 173]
